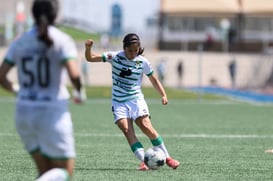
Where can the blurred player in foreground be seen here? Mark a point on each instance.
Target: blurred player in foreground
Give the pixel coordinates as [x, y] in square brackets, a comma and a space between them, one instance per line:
[128, 104]
[43, 120]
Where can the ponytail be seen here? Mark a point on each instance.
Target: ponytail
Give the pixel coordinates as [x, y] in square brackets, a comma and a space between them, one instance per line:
[43, 32]
[44, 12]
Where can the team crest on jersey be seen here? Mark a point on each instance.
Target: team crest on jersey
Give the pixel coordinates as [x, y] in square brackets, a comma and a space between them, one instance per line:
[138, 64]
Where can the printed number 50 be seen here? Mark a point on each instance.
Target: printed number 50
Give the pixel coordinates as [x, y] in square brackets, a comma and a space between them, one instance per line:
[40, 72]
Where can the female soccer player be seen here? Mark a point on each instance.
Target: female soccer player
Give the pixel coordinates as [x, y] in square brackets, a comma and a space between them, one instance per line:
[128, 104]
[43, 120]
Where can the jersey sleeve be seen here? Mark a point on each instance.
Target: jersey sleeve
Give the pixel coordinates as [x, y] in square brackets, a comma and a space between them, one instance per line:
[69, 50]
[9, 57]
[108, 56]
[147, 68]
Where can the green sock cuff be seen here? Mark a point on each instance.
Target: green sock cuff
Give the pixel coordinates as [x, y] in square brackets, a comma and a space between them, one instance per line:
[136, 146]
[158, 141]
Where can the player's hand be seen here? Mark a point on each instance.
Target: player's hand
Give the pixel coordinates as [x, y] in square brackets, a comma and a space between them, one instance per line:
[164, 100]
[89, 43]
[79, 97]
[15, 88]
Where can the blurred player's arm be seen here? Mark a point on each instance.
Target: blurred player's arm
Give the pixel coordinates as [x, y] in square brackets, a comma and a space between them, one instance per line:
[91, 57]
[78, 93]
[4, 82]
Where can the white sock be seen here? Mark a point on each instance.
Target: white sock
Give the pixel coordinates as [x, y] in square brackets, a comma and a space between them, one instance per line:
[55, 174]
[162, 147]
[139, 153]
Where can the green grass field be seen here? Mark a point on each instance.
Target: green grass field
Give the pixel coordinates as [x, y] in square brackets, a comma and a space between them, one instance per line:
[79, 35]
[213, 138]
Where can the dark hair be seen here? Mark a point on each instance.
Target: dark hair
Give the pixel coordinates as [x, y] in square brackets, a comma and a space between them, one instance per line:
[130, 39]
[45, 13]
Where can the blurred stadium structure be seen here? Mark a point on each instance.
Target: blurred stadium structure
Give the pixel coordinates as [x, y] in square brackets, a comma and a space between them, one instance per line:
[232, 25]
[221, 29]
[185, 24]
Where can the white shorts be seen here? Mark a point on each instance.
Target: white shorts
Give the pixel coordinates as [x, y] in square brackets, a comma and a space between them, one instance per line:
[47, 127]
[131, 109]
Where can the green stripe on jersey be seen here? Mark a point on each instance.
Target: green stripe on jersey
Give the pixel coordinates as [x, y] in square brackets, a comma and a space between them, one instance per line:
[125, 100]
[129, 78]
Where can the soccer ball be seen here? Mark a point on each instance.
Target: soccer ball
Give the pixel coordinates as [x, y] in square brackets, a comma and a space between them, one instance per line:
[154, 158]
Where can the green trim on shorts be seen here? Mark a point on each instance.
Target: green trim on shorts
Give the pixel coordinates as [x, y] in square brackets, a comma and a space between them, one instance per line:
[158, 141]
[34, 151]
[136, 146]
[55, 158]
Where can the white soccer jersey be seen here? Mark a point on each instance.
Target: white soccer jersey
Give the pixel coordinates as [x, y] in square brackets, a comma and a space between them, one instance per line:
[41, 69]
[127, 75]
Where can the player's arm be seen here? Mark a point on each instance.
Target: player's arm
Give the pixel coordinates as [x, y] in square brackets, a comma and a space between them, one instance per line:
[74, 75]
[4, 82]
[91, 57]
[158, 86]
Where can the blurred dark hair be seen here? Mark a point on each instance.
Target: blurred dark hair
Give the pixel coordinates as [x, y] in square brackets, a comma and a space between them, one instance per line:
[130, 39]
[45, 13]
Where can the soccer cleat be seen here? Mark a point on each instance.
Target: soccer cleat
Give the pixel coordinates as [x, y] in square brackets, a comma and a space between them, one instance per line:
[142, 167]
[172, 163]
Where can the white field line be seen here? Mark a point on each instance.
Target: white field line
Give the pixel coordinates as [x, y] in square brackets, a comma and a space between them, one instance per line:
[180, 135]
[223, 136]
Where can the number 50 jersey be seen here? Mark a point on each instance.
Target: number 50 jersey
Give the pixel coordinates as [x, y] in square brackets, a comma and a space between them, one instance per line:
[41, 70]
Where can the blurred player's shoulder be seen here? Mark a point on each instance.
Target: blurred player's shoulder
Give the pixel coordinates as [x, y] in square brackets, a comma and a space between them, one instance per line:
[55, 32]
